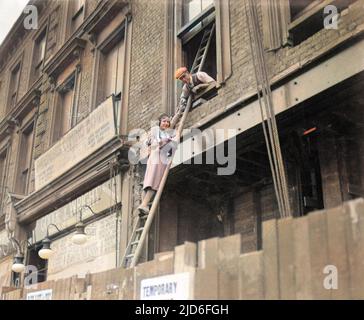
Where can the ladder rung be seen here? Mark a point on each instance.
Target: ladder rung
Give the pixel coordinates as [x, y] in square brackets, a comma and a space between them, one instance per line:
[203, 48]
[129, 256]
[134, 243]
[139, 230]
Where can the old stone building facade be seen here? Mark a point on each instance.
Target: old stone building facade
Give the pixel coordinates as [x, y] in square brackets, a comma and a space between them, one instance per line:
[93, 71]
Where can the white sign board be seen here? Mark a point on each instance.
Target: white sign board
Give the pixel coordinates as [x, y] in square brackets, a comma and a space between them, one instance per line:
[40, 295]
[171, 287]
[76, 145]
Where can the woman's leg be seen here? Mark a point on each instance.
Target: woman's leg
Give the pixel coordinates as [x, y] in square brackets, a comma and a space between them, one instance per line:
[147, 196]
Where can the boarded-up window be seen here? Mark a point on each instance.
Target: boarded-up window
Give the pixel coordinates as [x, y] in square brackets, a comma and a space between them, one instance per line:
[63, 120]
[2, 178]
[39, 54]
[14, 85]
[111, 69]
[77, 13]
[25, 157]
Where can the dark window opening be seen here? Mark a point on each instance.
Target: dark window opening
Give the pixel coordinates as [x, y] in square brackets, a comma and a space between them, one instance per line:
[15, 279]
[190, 51]
[311, 185]
[40, 264]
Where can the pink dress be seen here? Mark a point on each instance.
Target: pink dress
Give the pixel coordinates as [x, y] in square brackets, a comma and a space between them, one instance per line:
[158, 158]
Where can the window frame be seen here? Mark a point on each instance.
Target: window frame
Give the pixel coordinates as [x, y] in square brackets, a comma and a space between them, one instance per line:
[28, 125]
[4, 153]
[186, 34]
[73, 14]
[59, 90]
[221, 10]
[301, 20]
[37, 66]
[14, 92]
[117, 36]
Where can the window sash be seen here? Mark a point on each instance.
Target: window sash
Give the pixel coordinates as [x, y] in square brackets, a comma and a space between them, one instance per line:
[195, 21]
[200, 7]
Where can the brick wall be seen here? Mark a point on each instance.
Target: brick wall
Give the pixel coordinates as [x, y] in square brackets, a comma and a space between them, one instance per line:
[145, 102]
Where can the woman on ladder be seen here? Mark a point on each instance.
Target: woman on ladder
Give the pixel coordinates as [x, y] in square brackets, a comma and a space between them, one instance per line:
[160, 145]
[161, 142]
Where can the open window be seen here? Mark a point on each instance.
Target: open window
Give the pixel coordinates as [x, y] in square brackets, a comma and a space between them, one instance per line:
[41, 266]
[196, 18]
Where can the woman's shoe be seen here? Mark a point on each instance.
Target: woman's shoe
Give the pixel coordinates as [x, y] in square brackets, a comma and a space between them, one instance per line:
[143, 211]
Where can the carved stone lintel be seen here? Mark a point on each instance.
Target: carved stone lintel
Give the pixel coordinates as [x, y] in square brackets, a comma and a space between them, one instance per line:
[77, 54]
[78, 67]
[92, 39]
[128, 16]
[52, 82]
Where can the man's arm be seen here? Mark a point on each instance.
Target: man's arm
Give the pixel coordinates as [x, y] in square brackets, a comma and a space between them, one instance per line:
[205, 79]
[183, 98]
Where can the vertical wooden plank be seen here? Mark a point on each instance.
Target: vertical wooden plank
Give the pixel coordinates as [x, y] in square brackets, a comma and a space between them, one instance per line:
[251, 276]
[355, 240]
[302, 258]
[286, 259]
[185, 260]
[228, 255]
[185, 257]
[127, 286]
[270, 260]
[319, 253]
[338, 246]
[206, 276]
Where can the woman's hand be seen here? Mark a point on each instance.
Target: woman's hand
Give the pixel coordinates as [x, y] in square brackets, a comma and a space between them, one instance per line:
[164, 141]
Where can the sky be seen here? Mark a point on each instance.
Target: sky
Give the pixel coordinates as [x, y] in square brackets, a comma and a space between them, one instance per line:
[10, 11]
